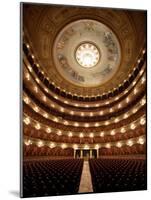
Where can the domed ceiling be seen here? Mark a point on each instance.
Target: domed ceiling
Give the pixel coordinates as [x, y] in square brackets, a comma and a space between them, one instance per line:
[84, 76]
[87, 53]
[84, 51]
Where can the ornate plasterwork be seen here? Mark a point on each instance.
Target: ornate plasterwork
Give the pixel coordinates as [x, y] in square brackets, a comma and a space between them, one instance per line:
[91, 39]
[47, 22]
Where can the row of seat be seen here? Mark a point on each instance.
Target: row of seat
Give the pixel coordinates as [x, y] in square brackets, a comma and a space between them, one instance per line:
[62, 177]
[51, 177]
[113, 175]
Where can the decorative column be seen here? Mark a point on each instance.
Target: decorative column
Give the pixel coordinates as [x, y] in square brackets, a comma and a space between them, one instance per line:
[81, 153]
[74, 153]
[97, 153]
[90, 153]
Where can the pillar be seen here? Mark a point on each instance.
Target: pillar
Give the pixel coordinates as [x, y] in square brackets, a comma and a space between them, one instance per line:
[74, 153]
[97, 153]
[81, 153]
[90, 153]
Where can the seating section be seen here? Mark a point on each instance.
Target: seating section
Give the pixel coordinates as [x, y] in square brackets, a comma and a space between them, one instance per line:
[112, 175]
[51, 177]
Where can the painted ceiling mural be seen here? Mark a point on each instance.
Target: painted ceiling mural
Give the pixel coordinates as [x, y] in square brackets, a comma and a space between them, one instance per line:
[87, 53]
[103, 47]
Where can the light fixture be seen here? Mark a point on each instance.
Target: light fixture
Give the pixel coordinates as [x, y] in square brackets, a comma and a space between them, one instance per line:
[138, 60]
[27, 142]
[86, 125]
[112, 132]
[127, 99]
[91, 114]
[76, 124]
[102, 134]
[48, 130]
[133, 126]
[126, 91]
[46, 90]
[96, 124]
[37, 80]
[44, 98]
[55, 119]
[119, 144]
[134, 110]
[116, 98]
[143, 51]
[72, 112]
[86, 146]
[135, 91]
[52, 145]
[111, 110]
[91, 135]
[36, 89]
[70, 134]
[116, 120]
[123, 130]
[87, 55]
[125, 116]
[108, 145]
[27, 76]
[106, 123]
[134, 83]
[37, 126]
[36, 109]
[143, 101]
[81, 135]
[119, 105]
[141, 72]
[26, 99]
[97, 146]
[129, 143]
[40, 143]
[53, 105]
[45, 115]
[101, 112]
[59, 132]
[62, 109]
[141, 140]
[27, 45]
[82, 114]
[30, 68]
[56, 97]
[75, 146]
[142, 121]
[27, 120]
[63, 146]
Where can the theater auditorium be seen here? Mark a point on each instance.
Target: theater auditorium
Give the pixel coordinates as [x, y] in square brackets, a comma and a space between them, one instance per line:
[83, 100]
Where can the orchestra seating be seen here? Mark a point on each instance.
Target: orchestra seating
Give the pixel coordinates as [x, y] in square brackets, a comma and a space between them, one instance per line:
[51, 177]
[112, 175]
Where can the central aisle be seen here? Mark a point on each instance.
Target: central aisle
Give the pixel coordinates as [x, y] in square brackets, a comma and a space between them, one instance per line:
[86, 182]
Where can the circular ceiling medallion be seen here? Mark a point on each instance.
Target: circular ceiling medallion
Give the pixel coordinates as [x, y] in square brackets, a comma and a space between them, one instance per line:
[87, 53]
